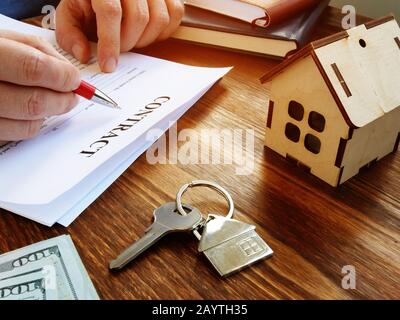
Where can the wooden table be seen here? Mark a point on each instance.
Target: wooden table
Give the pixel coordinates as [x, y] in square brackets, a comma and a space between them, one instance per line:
[315, 230]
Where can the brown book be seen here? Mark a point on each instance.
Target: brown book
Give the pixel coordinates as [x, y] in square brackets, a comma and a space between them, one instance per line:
[277, 11]
[209, 28]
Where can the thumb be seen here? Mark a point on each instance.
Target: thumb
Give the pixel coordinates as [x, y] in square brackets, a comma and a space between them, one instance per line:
[70, 36]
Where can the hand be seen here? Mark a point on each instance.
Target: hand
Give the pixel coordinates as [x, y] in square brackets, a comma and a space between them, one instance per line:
[35, 82]
[119, 26]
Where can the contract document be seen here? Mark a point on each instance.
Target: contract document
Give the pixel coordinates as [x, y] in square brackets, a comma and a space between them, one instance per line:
[57, 175]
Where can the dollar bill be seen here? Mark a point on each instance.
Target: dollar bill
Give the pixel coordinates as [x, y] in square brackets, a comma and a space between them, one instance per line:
[55, 261]
[28, 286]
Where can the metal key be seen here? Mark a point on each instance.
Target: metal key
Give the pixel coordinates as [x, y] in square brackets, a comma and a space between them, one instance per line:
[166, 220]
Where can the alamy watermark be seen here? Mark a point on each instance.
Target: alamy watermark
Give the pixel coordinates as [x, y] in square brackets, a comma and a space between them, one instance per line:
[49, 20]
[349, 279]
[349, 19]
[205, 146]
[50, 277]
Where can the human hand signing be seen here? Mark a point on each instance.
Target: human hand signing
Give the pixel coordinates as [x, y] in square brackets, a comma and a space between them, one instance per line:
[36, 82]
[118, 25]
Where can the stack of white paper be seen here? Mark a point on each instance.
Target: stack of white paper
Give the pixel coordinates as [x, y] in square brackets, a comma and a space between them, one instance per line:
[57, 175]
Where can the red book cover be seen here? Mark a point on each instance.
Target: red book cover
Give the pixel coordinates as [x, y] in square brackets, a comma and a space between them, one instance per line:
[277, 11]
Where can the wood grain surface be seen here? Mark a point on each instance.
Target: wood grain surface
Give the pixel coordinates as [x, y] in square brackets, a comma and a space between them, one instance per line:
[313, 228]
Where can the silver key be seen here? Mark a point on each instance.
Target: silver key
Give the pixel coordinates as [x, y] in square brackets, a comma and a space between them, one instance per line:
[166, 220]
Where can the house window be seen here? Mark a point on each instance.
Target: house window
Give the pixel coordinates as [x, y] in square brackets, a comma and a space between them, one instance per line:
[316, 121]
[296, 110]
[312, 143]
[292, 132]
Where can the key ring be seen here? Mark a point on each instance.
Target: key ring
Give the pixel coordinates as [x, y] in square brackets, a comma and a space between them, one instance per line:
[204, 183]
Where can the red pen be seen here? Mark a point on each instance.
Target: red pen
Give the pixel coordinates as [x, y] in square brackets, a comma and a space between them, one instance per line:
[91, 93]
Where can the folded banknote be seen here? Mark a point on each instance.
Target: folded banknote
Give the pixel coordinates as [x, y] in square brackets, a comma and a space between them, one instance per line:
[47, 270]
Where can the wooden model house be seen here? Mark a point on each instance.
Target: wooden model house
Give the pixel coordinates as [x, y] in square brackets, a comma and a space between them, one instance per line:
[335, 105]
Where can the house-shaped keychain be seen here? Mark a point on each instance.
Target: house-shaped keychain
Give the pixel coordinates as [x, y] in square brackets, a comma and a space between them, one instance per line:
[335, 105]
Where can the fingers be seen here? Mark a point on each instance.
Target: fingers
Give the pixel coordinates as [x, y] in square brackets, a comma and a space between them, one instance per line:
[176, 10]
[32, 103]
[134, 21]
[121, 26]
[159, 21]
[33, 41]
[109, 17]
[165, 17]
[31, 67]
[15, 130]
[70, 17]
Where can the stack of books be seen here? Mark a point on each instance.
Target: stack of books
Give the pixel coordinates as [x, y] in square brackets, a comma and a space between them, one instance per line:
[273, 28]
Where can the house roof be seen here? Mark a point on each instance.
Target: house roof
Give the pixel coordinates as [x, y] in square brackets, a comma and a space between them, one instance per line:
[361, 67]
